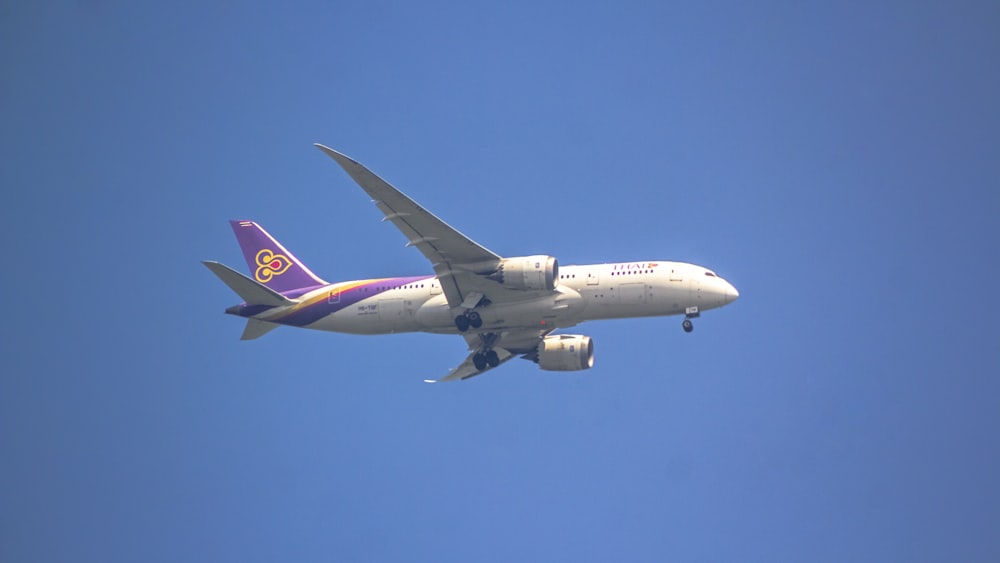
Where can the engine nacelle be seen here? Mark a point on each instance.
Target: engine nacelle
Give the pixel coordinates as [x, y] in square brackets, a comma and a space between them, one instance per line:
[528, 272]
[566, 352]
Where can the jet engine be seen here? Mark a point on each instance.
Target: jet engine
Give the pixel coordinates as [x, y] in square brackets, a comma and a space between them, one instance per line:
[566, 352]
[528, 272]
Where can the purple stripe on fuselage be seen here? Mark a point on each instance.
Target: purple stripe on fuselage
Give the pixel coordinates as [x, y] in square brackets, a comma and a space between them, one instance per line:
[323, 306]
[296, 293]
[245, 310]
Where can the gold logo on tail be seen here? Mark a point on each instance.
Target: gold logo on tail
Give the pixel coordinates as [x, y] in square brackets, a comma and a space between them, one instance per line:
[270, 264]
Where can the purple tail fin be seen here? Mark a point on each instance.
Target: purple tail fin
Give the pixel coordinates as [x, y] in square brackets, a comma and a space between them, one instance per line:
[270, 263]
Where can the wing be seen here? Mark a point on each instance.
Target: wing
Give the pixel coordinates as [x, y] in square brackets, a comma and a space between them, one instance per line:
[507, 345]
[467, 369]
[458, 261]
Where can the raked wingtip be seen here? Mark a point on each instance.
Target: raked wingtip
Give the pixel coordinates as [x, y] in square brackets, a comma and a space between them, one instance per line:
[340, 158]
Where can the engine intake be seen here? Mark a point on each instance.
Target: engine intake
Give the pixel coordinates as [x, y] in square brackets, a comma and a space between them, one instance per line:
[566, 352]
[528, 272]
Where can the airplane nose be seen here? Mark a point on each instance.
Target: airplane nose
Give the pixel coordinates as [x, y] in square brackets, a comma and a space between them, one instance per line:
[731, 293]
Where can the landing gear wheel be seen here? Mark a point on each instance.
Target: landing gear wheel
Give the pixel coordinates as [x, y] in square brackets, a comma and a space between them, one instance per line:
[474, 319]
[479, 360]
[492, 358]
[687, 325]
[462, 323]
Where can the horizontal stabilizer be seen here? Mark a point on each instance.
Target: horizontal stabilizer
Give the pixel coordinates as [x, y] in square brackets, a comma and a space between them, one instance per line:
[252, 292]
[256, 328]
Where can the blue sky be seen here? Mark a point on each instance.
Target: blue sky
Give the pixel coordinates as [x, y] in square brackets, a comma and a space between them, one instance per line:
[838, 163]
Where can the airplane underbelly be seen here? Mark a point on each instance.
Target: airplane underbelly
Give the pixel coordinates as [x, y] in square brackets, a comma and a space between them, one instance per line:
[434, 315]
[672, 299]
[564, 308]
[386, 316]
[373, 316]
[635, 299]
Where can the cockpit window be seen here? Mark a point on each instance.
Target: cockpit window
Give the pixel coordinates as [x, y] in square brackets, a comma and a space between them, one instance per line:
[712, 274]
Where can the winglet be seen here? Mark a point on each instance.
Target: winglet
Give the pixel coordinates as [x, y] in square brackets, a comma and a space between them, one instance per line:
[334, 154]
[364, 177]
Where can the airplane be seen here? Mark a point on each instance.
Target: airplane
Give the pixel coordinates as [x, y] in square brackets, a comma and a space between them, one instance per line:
[503, 307]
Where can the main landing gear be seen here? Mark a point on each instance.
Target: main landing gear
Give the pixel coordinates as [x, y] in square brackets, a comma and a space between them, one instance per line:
[483, 359]
[485, 356]
[470, 318]
[465, 321]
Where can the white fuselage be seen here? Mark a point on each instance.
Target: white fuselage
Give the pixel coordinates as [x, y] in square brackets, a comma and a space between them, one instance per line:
[584, 293]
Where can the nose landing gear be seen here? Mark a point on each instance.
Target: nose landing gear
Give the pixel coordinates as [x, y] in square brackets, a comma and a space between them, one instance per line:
[689, 313]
